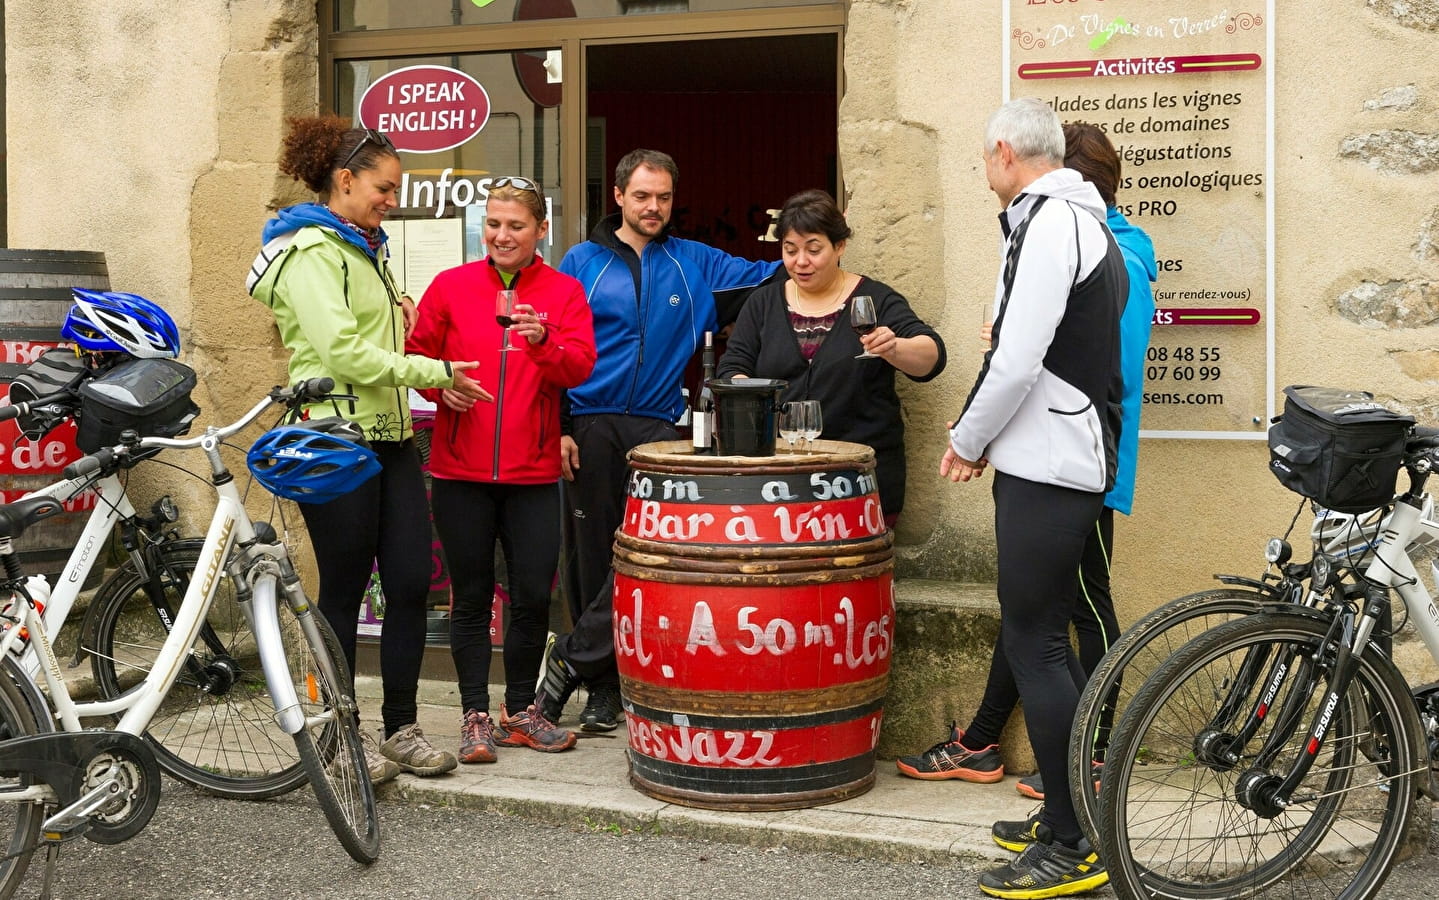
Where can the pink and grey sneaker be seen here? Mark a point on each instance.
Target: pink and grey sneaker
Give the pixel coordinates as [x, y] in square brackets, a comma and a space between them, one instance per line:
[478, 733]
[531, 729]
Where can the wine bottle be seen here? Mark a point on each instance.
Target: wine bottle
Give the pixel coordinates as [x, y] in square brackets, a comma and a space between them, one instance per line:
[702, 419]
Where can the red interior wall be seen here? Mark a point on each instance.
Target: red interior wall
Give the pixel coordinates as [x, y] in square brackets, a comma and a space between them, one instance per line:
[739, 155]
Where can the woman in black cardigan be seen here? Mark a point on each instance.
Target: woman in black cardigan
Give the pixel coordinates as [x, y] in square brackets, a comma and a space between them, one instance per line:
[799, 330]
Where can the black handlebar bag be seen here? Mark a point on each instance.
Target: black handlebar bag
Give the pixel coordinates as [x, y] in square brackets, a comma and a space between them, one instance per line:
[1340, 448]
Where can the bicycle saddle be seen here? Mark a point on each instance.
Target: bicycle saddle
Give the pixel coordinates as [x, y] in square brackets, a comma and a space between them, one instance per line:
[20, 515]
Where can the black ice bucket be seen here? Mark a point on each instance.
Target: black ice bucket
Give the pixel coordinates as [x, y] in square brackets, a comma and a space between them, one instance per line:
[745, 415]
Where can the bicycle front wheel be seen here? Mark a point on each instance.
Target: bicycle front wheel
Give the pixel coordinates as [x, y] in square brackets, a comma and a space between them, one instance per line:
[21, 821]
[216, 727]
[329, 744]
[1140, 650]
[1180, 822]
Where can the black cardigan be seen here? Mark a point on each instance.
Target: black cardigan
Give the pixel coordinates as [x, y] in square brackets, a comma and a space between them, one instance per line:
[857, 396]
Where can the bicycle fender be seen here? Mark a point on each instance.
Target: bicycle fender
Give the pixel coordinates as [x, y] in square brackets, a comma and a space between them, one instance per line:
[92, 612]
[1243, 581]
[265, 617]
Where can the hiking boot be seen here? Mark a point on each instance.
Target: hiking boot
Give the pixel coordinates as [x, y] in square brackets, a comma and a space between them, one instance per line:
[478, 735]
[1033, 786]
[409, 748]
[381, 769]
[951, 759]
[1047, 869]
[602, 710]
[1017, 836]
[531, 729]
[558, 681]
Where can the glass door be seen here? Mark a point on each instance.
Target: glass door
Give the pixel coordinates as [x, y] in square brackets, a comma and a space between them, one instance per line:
[459, 122]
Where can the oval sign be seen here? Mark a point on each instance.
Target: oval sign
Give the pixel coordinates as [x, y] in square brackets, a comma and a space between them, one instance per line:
[425, 109]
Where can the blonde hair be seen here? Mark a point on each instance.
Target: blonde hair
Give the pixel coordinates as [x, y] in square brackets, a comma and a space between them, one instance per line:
[533, 200]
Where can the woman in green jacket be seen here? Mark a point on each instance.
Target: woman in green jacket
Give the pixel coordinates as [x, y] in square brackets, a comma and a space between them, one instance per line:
[322, 272]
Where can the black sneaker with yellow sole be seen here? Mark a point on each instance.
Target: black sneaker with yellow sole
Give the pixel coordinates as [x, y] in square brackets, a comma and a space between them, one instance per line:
[1046, 869]
[1017, 836]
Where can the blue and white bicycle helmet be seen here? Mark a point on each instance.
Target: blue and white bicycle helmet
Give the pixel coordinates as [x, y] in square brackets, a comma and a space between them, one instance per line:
[126, 323]
[314, 461]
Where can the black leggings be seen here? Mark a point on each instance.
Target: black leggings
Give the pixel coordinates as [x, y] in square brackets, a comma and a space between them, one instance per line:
[1040, 533]
[384, 520]
[469, 516]
[1094, 622]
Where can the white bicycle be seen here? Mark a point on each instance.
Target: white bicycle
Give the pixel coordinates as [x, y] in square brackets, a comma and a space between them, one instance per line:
[104, 784]
[215, 729]
[1281, 754]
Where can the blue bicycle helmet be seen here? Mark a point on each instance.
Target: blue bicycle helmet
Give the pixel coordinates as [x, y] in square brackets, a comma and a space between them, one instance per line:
[117, 321]
[314, 461]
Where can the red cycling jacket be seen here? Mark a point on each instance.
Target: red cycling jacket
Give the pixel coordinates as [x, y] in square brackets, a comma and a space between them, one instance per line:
[516, 439]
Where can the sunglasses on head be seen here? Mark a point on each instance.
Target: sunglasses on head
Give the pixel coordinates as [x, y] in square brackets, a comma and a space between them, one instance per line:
[370, 136]
[516, 182]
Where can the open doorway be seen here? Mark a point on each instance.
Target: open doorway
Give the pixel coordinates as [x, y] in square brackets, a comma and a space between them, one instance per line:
[749, 120]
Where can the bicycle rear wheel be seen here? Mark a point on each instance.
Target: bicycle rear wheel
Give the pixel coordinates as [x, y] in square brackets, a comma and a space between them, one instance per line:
[329, 744]
[216, 727]
[1172, 817]
[1140, 650]
[21, 821]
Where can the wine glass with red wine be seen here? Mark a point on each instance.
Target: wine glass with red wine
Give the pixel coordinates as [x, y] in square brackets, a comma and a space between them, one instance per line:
[504, 314]
[863, 320]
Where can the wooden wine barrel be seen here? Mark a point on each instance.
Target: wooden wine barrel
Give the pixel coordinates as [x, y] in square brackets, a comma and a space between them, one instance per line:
[754, 621]
[34, 298]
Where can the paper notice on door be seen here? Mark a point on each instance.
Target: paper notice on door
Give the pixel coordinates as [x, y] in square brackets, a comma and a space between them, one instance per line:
[430, 246]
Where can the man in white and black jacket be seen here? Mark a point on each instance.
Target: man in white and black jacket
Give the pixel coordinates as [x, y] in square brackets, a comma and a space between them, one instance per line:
[1044, 413]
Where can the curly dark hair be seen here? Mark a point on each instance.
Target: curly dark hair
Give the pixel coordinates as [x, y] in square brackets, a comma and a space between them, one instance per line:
[318, 146]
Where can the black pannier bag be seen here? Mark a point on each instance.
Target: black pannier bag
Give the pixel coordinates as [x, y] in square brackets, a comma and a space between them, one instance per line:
[57, 369]
[151, 396]
[1339, 448]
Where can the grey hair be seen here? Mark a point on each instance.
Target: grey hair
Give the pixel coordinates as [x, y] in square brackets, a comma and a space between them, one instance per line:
[1028, 125]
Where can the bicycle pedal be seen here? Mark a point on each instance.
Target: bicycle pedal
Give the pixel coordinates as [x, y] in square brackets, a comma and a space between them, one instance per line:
[64, 833]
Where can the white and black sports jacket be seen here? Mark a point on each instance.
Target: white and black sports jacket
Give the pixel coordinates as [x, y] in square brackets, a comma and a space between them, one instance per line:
[1046, 404]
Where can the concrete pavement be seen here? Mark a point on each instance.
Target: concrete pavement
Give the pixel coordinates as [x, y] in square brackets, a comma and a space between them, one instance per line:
[899, 819]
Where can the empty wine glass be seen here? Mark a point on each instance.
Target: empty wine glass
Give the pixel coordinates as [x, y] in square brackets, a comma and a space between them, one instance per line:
[504, 314]
[812, 422]
[863, 320]
[791, 423]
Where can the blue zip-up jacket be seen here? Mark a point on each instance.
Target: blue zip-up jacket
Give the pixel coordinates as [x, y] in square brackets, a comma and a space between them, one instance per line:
[1134, 326]
[645, 337]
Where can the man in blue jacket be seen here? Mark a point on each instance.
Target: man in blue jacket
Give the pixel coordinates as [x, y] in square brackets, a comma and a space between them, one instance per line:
[652, 297]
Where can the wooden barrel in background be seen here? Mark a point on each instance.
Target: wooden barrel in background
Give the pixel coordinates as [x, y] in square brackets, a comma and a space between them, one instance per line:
[754, 621]
[34, 297]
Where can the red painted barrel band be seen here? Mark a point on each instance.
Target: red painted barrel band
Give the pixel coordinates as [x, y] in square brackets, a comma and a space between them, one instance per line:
[799, 638]
[739, 748]
[784, 523]
[673, 780]
[752, 490]
[773, 720]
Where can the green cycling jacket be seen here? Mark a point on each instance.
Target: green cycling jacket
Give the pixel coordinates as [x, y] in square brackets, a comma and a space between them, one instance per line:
[338, 313]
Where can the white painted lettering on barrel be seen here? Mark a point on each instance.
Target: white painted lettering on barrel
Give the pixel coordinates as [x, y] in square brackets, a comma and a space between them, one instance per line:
[669, 526]
[625, 627]
[741, 527]
[777, 637]
[822, 526]
[775, 491]
[702, 745]
[702, 631]
[681, 490]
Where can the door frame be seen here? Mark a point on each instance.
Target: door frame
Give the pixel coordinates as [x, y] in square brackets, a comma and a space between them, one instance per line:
[572, 36]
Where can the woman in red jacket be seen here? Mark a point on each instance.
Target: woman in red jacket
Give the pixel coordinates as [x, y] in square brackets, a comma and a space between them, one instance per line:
[496, 467]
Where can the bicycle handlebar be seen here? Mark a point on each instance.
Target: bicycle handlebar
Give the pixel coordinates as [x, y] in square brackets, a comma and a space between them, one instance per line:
[16, 410]
[107, 459]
